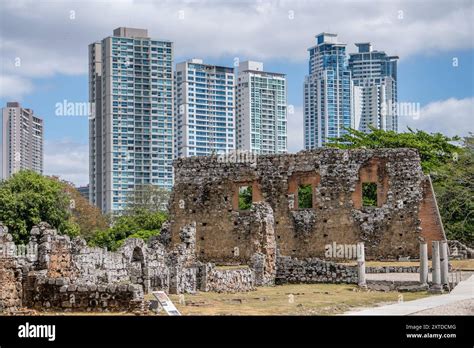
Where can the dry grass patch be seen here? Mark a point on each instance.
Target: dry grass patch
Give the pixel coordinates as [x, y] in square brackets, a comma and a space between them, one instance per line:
[308, 299]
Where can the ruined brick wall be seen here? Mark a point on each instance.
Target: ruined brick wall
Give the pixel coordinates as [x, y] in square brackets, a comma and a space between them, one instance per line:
[206, 192]
[431, 223]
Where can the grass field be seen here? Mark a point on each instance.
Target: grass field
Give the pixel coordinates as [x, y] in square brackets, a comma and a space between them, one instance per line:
[308, 299]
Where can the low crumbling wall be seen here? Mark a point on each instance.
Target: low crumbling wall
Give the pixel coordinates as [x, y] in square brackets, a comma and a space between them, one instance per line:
[226, 280]
[67, 274]
[313, 270]
[49, 294]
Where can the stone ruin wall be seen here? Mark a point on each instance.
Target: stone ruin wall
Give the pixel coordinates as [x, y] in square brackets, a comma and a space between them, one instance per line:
[313, 270]
[11, 285]
[227, 280]
[206, 193]
[273, 242]
[68, 275]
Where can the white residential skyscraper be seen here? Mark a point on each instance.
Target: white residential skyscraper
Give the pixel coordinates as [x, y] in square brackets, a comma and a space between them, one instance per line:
[261, 110]
[374, 76]
[21, 140]
[327, 92]
[205, 109]
[131, 129]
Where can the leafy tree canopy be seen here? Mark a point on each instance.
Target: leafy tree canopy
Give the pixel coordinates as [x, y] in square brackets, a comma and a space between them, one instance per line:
[28, 198]
[142, 224]
[454, 187]
[87, 216]
[434, 149]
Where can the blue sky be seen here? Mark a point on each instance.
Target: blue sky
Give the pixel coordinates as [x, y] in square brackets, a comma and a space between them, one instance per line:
[53, 54]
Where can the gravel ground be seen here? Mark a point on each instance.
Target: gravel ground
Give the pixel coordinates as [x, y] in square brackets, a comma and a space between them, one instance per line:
[464, 307]
[410, 276]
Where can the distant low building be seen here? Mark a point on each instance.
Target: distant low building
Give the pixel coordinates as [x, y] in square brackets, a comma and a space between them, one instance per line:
[84, 191]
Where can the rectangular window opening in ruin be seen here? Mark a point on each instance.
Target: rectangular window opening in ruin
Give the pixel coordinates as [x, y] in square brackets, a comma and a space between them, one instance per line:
[305, 196]
[245, 197]
[369, 194]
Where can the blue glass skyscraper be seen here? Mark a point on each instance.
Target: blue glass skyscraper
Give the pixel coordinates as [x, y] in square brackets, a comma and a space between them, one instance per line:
[327, 92]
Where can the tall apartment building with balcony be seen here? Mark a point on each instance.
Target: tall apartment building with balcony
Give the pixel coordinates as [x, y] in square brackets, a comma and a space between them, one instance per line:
[374, 75]
[131, 129]
[327, 92]
[261, 110]
[205, 109]
[21, 140]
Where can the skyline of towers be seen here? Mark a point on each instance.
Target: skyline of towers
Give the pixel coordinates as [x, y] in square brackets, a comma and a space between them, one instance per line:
[261, 109]
[21, 140]
[145, 114]
[340, 92]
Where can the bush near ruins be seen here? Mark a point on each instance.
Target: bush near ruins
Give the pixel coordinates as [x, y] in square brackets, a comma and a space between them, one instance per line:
[28, 198]
[451, 169]
[144, 214]
[139, 224]
[87, 216]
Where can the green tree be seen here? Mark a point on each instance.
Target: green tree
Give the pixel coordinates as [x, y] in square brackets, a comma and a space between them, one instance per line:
[305, 196]
[87, 216]
[147, 197]
[245, 197]
[454, 187]
[141, 224]
[28, 198]
[369, 194]
[434, 149]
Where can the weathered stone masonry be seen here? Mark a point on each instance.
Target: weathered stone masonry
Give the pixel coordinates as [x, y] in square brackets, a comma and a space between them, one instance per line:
[65, 274]
[273, 242]
[206, 193]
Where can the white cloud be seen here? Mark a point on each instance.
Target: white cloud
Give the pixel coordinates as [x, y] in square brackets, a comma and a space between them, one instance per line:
[40, 61]
[450, 117]
[14, 87]
[68, 160]
[51, 37]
